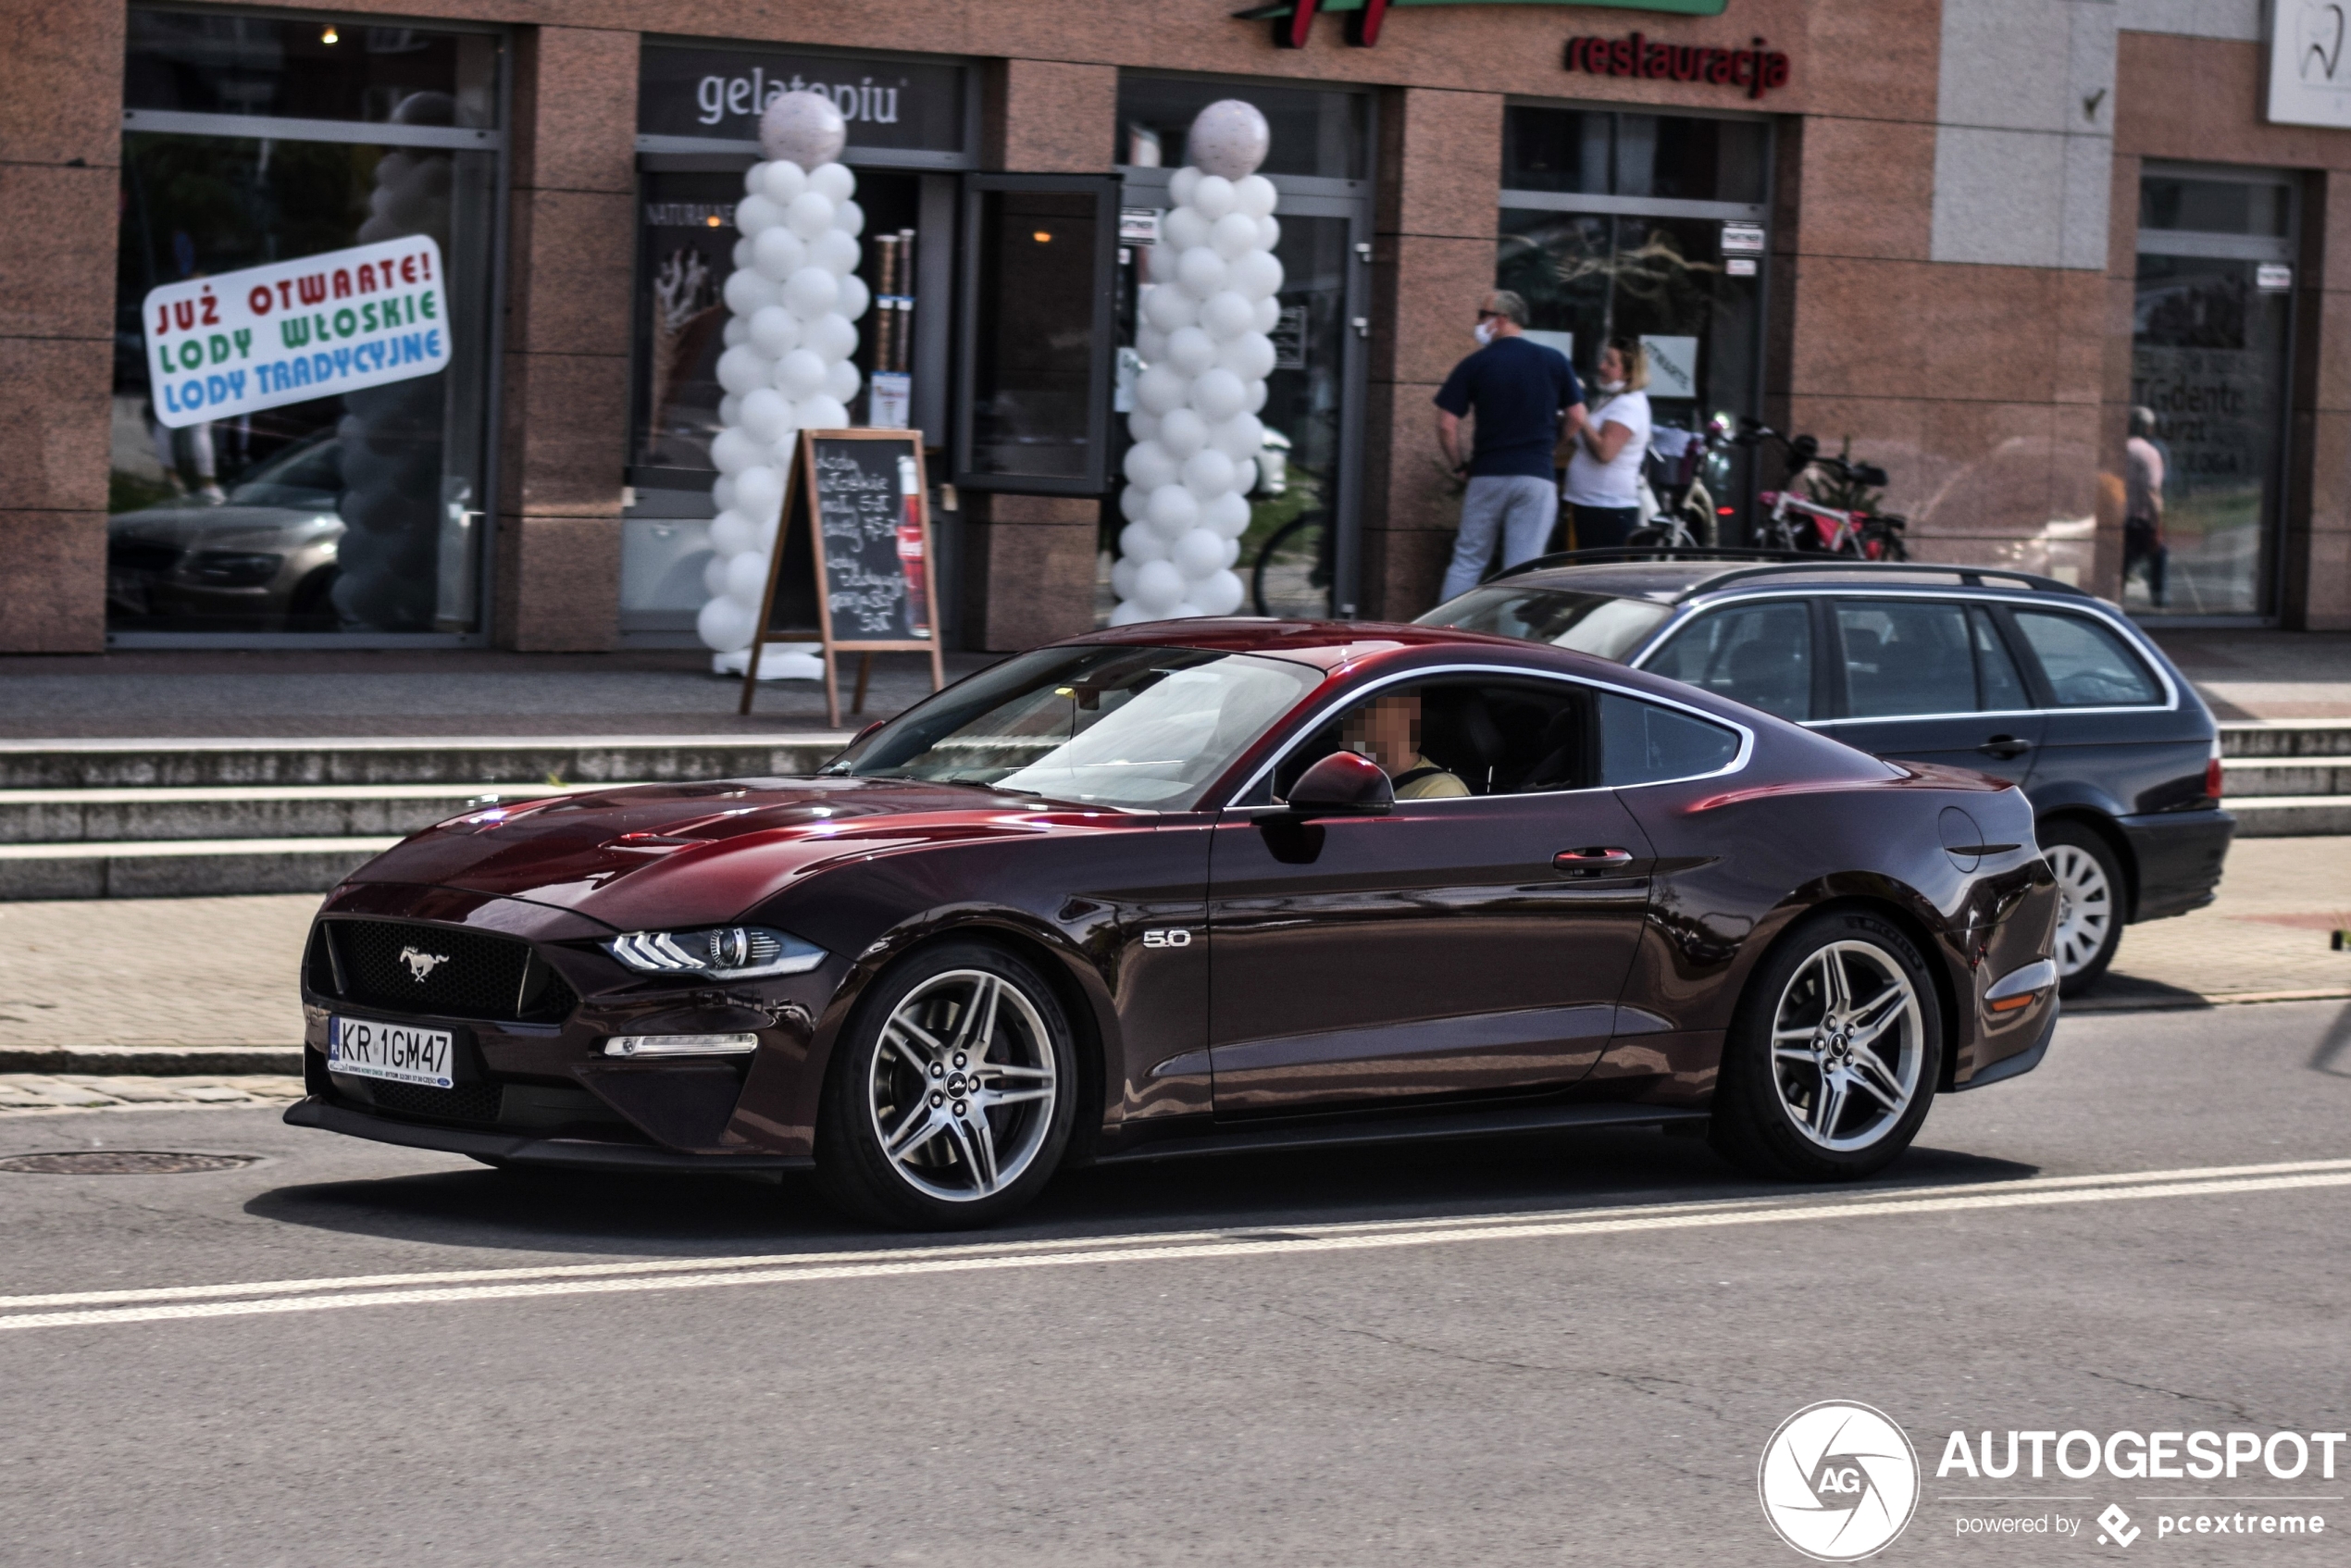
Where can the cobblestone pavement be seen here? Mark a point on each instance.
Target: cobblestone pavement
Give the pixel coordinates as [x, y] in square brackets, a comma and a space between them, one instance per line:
[34, 1094]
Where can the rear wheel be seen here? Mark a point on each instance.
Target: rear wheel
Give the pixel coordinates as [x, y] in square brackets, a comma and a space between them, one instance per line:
[1833, 1057]
[2089, 904]
[952, 1094]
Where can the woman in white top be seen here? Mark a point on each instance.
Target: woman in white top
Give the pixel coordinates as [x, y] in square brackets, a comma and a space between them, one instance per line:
[1604, 473]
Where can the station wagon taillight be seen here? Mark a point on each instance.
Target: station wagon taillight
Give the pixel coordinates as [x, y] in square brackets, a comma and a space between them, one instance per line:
[2212, 771]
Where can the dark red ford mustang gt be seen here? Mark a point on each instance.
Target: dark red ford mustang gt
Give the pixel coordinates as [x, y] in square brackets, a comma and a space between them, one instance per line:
[1194, 886]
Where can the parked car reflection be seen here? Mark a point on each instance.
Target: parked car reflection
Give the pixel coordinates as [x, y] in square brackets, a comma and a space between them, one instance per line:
[263, 560]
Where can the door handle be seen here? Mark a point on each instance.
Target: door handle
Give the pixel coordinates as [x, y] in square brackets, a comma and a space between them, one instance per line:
[2005, 747]
[1592, 863]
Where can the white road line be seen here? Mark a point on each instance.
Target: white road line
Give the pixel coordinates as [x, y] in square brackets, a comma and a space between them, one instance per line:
[883, 1266]
[1160, 1239]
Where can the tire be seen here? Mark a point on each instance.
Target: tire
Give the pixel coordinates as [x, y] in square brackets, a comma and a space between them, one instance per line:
[2090, 902]
[971, 1147]
[1880, 1052]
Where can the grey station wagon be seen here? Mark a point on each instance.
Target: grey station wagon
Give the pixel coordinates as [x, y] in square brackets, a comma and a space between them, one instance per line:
[2017, 676]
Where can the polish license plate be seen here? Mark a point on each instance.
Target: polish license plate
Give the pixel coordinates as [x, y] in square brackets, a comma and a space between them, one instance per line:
[401, 1052]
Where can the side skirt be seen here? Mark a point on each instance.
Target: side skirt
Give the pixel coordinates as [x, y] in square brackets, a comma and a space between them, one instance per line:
[1399, 1129]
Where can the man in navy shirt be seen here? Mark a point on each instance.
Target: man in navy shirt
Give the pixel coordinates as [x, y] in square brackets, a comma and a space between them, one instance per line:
[1521, 392]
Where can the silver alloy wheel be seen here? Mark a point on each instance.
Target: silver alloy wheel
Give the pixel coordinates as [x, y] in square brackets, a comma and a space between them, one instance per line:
[1847, 1041]
[2086, 907]
[963, 1084]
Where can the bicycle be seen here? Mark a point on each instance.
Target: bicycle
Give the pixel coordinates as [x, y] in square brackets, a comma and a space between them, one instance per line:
[1685, 517]
[1292, 564]
[1801, 524]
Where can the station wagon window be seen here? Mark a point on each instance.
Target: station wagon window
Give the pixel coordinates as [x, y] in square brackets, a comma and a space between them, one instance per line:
[1760, 654]
[1643, 744]
[2086, 665]
[1909, 656]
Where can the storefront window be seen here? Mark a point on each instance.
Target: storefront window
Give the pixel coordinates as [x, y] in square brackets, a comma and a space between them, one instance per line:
[1314, 133]
[1601, 153]
[2209, 331]
[359, 511]
[1037, 328]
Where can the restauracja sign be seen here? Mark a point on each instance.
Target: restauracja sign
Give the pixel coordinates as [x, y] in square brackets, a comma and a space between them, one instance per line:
[1294, 19]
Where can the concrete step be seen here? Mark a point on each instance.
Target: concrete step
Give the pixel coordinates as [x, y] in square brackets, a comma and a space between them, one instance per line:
[465, 763]
[2289, 816]
[2287, 738]
[2264, 776]
[261, 811]
[182, 868]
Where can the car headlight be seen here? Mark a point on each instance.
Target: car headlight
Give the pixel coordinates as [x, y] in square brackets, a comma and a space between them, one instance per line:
[722, 952]
[231, 568]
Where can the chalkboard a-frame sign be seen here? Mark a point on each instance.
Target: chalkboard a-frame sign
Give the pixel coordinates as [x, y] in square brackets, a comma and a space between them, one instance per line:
[853, 558]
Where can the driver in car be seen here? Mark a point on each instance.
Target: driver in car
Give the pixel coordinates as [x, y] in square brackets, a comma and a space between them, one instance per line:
[1387, 731]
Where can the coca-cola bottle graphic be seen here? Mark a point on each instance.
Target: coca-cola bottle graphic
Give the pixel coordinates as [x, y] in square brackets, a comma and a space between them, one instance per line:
[910, 549]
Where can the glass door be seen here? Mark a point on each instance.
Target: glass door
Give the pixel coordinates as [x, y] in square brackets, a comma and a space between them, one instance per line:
[2210, 328]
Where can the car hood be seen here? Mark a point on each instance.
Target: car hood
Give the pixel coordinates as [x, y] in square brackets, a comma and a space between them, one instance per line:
[260, 528]
[658, 854]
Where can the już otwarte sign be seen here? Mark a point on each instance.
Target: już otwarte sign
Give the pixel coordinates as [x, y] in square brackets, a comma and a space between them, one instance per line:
[293, 331]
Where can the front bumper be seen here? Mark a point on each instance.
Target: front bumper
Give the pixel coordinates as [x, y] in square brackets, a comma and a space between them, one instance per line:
[554, 1153]
[2179, 854]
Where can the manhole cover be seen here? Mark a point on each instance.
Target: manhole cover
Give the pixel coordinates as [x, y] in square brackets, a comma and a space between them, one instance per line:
[122, 1162]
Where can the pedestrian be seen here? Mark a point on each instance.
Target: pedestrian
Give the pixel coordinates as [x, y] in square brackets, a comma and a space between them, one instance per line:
[2142, 504]
[1521, 394]
[1603, 484]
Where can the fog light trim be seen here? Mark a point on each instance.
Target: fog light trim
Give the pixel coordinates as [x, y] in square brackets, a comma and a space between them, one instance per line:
[681, 1045]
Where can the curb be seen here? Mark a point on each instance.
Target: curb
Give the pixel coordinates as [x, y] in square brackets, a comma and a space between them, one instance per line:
[153, 1061]
[2192, 1001]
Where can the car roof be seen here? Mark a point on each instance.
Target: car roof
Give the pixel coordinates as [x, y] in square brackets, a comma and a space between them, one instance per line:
[1673, 581]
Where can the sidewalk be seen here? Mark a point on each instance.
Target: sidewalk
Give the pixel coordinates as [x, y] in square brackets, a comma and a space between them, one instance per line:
[2266, 674]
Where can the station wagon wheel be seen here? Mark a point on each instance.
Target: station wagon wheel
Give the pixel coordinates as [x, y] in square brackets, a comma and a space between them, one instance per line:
[2089, 904]
[950, 1105]
[1833, 1057]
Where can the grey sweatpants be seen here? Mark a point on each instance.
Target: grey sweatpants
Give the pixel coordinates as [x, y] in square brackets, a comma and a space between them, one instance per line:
[1520, 507]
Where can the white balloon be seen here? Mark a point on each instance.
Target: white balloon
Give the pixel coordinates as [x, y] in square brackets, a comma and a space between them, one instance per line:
[833, 181]
[1122, 578]
[1269, 234]
[1208, 473]
[1160, 262]
[730, 534]
[1218, 594]
[747, 578]
[800, 374]
[1167, 307]
[1269, 314]
[1250, 357]
[849, 218]
[823, 413]
[831, 336]
[1255, 401]
[723, 625]
[1149, 342]
[747, 290]
[754, 179]
[1180, 230]
[1229, 515]
[784, 454]
[759, 491]
[1202, 271]
[774, 331]
[1219, 394]
[754, 214]
[1133, 501]
[835, 252]
[811, 292]
[1242, 436]
[1147, 466]
[1199, 552]
[1190, 350]
[1129, 614]
[1229, 138]
[1181, 184]
[777, 254]
[1226, 315]
[741, 253]
[1142, 424]
[1232, 550]
[1139, 542]
[1182, 433]
[1254, 195]
[803, 125]
[742, 370]
[767, 414]
[1233, 236]
[722, 493]
[1174, 511]
[730, 409]
[1159, 587]
[841, 380]
[737, 332]
[1255, 274]
[1214, 196]
[810, 214]
[1245, 477]
[854, 298]
[713, 574]
[783, 180]
[1162, 388]
[762, 535]
[731, 451]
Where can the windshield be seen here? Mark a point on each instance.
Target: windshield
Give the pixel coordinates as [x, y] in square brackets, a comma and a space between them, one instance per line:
[310, 475]
[1147, 728]
[1600, 624]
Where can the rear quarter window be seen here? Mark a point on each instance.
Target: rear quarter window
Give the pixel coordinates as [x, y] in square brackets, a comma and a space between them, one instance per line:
[1644, 743]
[2087, 664]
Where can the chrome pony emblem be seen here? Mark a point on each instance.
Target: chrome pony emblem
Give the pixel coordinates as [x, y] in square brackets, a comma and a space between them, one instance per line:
[421, 962]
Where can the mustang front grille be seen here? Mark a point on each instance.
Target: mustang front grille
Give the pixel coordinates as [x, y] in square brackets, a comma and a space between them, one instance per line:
[406, 967]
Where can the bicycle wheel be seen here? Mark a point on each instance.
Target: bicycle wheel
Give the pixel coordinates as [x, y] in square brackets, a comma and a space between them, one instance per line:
[1292, 577]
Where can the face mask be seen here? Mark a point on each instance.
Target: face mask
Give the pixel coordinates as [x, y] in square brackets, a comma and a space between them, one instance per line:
[1484, 332]
[1611, 388]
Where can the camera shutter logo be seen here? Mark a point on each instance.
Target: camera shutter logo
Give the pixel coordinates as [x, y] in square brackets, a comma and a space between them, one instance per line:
[1838, 1481]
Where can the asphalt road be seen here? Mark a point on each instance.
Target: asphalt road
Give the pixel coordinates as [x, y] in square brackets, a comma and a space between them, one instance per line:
[1554, 1350]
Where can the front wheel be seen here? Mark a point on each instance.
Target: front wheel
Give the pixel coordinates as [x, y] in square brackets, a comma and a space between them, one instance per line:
[950, 1095]
[1834, 1055]
[2089, 904]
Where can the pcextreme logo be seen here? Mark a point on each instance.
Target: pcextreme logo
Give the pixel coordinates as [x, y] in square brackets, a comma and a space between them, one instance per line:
[1838, 1481]
[1294, 19]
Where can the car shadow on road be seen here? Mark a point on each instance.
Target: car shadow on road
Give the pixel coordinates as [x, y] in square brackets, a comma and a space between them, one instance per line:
[689, 1216]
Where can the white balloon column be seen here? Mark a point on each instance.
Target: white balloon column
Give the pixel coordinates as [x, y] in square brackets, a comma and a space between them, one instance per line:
[787, 365]
[1204, 338]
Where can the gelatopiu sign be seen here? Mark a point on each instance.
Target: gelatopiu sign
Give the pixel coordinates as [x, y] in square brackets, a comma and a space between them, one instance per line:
[295, 330]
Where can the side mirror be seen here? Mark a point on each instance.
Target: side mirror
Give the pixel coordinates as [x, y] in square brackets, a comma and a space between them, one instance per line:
[1868, 474]
[1342, 785]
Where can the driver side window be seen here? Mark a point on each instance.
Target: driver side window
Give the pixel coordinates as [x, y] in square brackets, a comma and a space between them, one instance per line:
[1451, 737]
